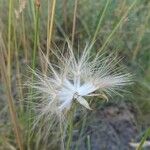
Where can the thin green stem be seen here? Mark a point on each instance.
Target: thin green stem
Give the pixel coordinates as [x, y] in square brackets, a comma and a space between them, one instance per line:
[36, 37]
[61, 133]
[100, 22]
[20, 93]
[32, 6]
[147, 134]
[50, 30]
[115, 28]
[9, 42]
[88, 142]
[70, 129]
[141, 35]
[81, 131]
[74, 22]
[24, 37]
[65, 14]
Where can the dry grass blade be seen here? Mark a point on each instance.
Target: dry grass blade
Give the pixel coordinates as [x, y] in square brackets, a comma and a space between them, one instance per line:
[50, 30]
[12, 110]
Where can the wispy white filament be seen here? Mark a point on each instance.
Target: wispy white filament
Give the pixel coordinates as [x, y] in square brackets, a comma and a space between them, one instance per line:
[74, 79]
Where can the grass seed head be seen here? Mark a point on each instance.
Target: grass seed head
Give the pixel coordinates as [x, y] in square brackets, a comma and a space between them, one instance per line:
[75, 79]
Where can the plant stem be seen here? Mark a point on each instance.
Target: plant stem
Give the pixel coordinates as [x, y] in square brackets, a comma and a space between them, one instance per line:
[9, 42]
[11, 105]
[70, 128]
[36, 37]
[65, 14]
[100, 21]
[88, 142]
[32, 10]
[61, 133]
[20, 93]
[24, 38]
[81, 131]
[115, 28]
[146, 135]
[36, 34]
[74, 21]
[140, 37]
[50, 31]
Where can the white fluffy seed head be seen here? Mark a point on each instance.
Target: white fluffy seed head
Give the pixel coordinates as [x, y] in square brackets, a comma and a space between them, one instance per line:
[74, 79]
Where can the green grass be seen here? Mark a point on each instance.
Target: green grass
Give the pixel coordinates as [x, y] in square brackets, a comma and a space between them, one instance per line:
[122, 27]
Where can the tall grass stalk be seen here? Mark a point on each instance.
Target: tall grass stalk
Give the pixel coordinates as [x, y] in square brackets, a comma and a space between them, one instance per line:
[36, 34]
[24, 38]
[36, 37]
[81, 131]
[88, 143]
[70, 128]
[50, 30]
[116, 27]
[146, 135]
[9, 41]
[140, 37]
[100, 22]
[65, 14]
[32, 7]
[19, 14]
[11, 105]
[19, 82]
[74, 21]
[61, 133]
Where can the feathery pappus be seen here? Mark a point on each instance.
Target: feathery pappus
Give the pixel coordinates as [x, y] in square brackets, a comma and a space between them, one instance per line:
[74, 79]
